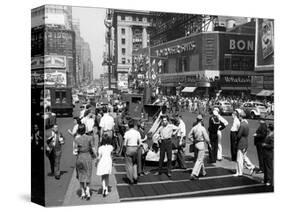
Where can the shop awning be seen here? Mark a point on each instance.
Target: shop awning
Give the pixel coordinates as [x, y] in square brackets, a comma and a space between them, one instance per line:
[265, 93]
[188, 89]
[235, 88]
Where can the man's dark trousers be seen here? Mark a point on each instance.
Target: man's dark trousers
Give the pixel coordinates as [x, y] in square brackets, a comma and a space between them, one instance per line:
[233, 145]
[165, 147]
[214, 150]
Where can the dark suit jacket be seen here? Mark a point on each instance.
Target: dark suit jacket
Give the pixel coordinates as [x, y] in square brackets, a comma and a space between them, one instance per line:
[242, 135]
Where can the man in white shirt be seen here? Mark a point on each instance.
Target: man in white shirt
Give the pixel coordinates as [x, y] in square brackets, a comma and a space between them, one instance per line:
[181, 136]
[233, 136]
[106, 124]
[132, 140]
[89, 122]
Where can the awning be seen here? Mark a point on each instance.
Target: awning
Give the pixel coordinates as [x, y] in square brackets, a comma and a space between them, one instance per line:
[235, 88]
[265, 93]
[189, 89]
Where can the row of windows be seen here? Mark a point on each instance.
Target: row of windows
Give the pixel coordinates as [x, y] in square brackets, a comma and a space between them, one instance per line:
[124, 60]
[136, 18]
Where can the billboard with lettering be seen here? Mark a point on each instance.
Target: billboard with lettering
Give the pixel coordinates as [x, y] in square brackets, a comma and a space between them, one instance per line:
[55, 77]
[264, 54]
[237, 51]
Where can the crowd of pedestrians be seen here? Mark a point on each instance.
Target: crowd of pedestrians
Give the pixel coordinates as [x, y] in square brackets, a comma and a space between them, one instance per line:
[119, 135]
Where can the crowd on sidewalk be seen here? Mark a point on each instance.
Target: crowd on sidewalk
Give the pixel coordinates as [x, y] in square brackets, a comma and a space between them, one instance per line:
[120, 135]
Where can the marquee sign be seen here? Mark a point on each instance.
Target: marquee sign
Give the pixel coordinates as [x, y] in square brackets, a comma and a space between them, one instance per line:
[178, 49]
[48, 61]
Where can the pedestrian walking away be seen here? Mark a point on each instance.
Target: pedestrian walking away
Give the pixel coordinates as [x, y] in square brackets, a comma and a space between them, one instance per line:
[132, 140]
[84, 148]
[106, 124]
[181, 136]
[104, 163]
[198, 135]
[54, 150]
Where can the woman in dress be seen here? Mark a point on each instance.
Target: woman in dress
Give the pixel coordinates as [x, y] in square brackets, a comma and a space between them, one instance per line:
[85, 150]
[104, 162]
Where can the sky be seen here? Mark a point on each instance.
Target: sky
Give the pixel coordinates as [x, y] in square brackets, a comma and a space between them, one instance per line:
[92, 30]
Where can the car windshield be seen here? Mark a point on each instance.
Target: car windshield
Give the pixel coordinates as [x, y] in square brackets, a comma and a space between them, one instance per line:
[259, 105]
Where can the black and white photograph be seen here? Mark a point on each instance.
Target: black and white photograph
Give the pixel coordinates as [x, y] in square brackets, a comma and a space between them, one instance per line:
[133, 105]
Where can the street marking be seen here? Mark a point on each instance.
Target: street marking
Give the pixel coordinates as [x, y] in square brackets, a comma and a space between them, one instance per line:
[189, 193]
[175, 170]
[176, 181]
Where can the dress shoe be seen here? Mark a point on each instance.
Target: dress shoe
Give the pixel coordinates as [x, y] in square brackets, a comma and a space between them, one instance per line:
[157, 173]
[237, 175]
[169, 174]
[193, 177]
[268, 184]
[252, 171]
[57, 177]
[135, 181]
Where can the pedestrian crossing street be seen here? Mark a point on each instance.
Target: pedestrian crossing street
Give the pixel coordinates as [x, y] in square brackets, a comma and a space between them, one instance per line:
[219, 181]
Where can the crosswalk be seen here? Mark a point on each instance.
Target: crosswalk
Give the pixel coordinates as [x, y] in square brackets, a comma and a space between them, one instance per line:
[219, 181]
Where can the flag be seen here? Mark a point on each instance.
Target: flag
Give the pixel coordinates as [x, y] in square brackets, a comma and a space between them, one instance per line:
[153, 62]
[147, 60]
[160, 63]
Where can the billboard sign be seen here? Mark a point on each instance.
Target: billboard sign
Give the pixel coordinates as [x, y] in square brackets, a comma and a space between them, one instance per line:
[123, 81]
[54, 77]
[48, 61]
[264, 54]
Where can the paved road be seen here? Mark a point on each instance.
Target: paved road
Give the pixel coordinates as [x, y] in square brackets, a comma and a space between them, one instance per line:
[219, 180]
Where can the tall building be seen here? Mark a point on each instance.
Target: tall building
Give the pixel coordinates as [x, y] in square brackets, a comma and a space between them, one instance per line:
[202, 53]
[53, 45]
[131, 32]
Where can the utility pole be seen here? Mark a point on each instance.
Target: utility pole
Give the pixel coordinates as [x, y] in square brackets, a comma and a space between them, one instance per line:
[108, 23]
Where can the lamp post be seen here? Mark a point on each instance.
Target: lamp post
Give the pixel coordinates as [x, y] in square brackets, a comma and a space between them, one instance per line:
[108, 24]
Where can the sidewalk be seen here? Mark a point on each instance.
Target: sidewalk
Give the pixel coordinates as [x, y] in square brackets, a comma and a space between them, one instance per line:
[72, 197]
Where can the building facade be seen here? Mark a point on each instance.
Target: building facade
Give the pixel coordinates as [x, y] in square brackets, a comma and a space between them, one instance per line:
[53, 43]
[207, 62]
[131, 32]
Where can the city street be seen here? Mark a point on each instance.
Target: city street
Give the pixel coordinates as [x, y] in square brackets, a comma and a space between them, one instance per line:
[219, 179]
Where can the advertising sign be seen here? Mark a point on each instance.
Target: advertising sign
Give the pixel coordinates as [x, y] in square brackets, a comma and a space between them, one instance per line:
[37, 77]
[48, 61]
[53, 77]
[264, 54]
[122, 81]
[233, 81]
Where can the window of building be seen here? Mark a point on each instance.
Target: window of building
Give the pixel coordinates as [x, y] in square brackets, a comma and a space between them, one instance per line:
[122, 17]
[123, 51]
[123, 60]
[123, 41]
[123, 31]
[140, 18]
[134, 18]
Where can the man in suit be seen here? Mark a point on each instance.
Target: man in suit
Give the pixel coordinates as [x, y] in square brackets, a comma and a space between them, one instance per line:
[54, 151]
[242, 138]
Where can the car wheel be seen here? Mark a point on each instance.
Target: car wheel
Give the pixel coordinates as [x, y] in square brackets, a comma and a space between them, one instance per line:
[253, 115]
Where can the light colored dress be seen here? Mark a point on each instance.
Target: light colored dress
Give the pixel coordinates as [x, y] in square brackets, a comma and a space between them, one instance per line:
[104, 165]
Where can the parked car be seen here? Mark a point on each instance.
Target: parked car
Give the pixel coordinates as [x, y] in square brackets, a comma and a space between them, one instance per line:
[50, 119]
[254, 109]
[224, 107]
